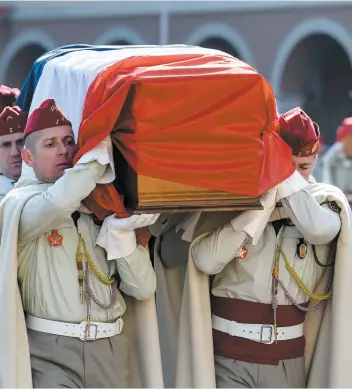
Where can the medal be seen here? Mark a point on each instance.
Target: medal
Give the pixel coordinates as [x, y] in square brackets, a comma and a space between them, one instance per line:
[302, 249]
[55, 239]
[242, 253]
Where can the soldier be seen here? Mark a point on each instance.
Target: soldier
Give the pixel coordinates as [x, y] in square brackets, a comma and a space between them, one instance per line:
[69, 268]
[265, 267]
[170, 252]
[12, 125]
[337, 162]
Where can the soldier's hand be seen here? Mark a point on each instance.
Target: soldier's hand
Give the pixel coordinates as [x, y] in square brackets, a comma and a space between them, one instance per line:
[293, 184]
[132, 222]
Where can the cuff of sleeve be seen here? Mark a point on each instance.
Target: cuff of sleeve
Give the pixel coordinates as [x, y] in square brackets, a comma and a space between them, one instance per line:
[293, 184]
[118, 243]
[103, 154]
[252, 222]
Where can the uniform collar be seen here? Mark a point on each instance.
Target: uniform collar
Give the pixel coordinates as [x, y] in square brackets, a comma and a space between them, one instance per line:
[278, 213]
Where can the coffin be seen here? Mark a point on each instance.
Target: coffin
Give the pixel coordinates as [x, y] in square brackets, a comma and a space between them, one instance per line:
[143, 194]
[192, 128]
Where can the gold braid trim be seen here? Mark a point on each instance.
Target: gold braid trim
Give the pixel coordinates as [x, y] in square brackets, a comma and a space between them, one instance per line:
[104, 280]
[297, 279]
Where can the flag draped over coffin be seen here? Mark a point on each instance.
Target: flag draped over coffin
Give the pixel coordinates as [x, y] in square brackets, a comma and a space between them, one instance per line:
[179, 113]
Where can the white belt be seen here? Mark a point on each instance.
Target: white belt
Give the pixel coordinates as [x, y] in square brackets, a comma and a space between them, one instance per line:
[262, 333]
[96, 330]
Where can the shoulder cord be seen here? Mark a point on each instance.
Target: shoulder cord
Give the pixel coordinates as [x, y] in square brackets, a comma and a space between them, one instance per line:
[300, 283]
[113, 296]
[303, 287]
[332, 254]
[300, 307]
[98, 274]
[104, 280]
[90, 295]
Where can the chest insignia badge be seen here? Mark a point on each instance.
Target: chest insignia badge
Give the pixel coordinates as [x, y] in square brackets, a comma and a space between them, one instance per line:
[55, 239]
[242, 253]
[302, 249]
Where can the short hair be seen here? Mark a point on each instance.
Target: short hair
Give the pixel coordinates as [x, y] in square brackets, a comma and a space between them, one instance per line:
[30, 141]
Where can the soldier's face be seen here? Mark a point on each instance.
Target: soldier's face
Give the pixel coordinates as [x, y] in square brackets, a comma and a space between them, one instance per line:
[10, 155]
[53, 153]
[305, 165]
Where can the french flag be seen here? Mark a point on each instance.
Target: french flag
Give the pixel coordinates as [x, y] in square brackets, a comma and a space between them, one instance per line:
[179, 113]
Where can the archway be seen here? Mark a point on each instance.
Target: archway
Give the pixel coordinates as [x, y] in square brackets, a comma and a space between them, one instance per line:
[220, 44]
[21, 64]
[120, 42]
[318, 77]
[120, 36]
[222, 36]
[19, 54]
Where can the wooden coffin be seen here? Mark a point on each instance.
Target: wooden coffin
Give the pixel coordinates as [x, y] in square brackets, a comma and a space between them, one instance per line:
[142, 194]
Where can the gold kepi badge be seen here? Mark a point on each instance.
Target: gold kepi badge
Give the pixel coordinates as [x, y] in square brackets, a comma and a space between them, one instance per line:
[315, 147]
[55, 239]
[302, 249]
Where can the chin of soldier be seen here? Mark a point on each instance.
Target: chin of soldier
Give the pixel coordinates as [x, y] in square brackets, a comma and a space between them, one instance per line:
[59, 171]
[16, 166]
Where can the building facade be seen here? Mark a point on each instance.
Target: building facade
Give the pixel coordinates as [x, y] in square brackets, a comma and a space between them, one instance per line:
[304, 48]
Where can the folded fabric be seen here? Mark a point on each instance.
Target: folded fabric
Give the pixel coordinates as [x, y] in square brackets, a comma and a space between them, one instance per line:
[117, 236]
[102, 153]
[291, 185]
[188, 226]
[118, 244]
[254, 222]
[133, 222]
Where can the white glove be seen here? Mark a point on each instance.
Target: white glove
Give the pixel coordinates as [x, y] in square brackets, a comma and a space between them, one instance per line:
[132, 222]
[268, 199]
[117, 236]
[254, 222]
[293, 184]
[103, 154]
[95, 167]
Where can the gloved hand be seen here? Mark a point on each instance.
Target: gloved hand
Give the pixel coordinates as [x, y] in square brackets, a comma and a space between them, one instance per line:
[102, 154]
[95, 168]
[293, 184]
[254, 222]
[132, 222]
[117, 236]
[268, 199]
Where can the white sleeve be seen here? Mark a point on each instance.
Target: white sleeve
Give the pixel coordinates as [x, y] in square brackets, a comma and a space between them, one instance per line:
[319, 224]
[46, 210]
[102, 153]
[138, 278]
[212, 253]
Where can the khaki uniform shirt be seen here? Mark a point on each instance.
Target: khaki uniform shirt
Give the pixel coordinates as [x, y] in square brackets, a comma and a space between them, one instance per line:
[251, 278]
[48, 275]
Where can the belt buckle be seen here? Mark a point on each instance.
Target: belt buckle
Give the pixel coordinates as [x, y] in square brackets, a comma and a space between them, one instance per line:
[266, 334]
[92, 334]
